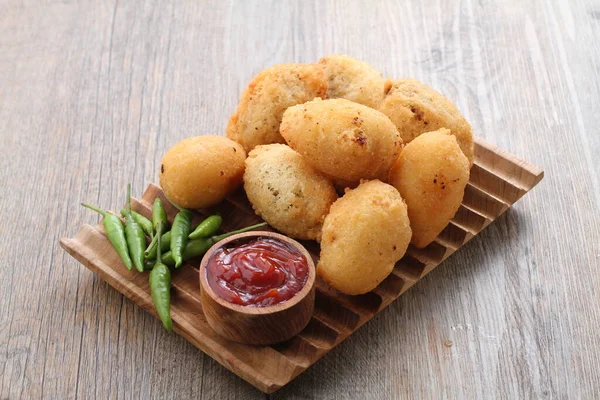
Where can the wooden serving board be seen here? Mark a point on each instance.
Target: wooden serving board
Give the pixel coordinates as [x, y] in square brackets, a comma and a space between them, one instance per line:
[498, 180]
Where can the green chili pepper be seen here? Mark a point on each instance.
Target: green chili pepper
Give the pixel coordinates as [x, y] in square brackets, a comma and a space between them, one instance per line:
[159, 215]
[193, 249]
[165, 241]
[207, 228]
[160, 287]
[149, 264]
[197, 248]
[151, 249]
[180, 230]
[116, 234]
[159, 218]
[136, 240]
[142, 221]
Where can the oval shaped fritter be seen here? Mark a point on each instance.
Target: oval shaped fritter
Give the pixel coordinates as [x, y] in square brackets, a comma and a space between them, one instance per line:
[287, 192]
[415, 108]
[365, 233]
[354, 80]
[431, 174]
[257, 118]
[200, 171]
[345, 140]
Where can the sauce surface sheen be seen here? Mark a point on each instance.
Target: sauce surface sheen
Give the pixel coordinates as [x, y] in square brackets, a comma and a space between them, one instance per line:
[261, 272]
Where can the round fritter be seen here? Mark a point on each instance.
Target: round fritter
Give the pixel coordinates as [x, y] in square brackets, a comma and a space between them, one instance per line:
[431, 174]
[415, 108]
[200, 171]
[354, 80]
[257, 118]
[345, 140]
[287, 192]
[365, 233]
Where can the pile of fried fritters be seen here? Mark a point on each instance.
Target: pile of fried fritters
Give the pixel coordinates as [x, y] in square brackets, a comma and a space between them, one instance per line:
[361, 164]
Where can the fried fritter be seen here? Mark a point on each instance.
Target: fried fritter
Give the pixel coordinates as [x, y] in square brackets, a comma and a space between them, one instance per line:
[354, 80]
[365, 233]
[257, 118]
[200, 171]
[431, 174]
[415, 108]
[287, 192]
[346, 141]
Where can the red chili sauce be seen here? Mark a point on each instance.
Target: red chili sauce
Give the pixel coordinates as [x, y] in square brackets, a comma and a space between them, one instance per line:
[261, 272]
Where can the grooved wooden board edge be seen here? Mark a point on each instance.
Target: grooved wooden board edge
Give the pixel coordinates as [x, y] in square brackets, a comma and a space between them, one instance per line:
[498, 180]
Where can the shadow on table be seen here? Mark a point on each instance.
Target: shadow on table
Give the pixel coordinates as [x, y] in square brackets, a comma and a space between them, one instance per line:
[351, 367]
[362, 362]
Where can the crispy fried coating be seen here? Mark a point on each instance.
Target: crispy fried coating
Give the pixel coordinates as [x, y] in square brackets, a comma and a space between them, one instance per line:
[354, 80]
[287, 192]
[200, 171]
[365, 233]
[257, 118]
[346, 141]
[415, 108]
[431, 174]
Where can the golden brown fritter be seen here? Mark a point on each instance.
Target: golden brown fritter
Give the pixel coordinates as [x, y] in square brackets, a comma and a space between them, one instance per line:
[415, 108]
[431, 174]
[200, 171]
[345, 140]
[257, 118]
[287, 192]
[354, 80]
[365, 233]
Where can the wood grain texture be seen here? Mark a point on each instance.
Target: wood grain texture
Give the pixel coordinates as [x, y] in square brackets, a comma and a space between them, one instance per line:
[334, 317]
[257, 325]
[92, 94]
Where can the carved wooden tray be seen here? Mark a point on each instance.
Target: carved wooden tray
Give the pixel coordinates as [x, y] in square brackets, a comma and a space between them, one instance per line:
[498, 179]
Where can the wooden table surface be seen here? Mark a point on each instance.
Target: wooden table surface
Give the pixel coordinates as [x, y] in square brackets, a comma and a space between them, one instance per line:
[93, 93]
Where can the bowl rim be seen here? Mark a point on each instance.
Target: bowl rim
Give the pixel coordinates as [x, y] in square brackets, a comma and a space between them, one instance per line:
[250, 310]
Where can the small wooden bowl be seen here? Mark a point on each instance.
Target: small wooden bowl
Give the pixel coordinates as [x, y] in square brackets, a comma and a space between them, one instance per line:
[258, 325]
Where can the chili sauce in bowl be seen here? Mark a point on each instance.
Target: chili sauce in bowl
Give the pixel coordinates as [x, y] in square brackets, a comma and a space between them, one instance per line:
[259, 272]
[257, 287]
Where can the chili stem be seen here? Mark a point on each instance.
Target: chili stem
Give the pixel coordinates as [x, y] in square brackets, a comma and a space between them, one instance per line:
[94, 208]
[215, 239]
